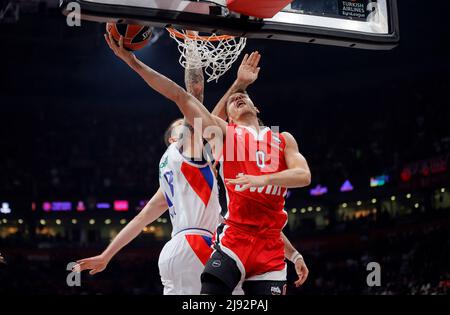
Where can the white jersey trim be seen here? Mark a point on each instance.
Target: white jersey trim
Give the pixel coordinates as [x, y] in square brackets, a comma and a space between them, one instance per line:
[279, 275]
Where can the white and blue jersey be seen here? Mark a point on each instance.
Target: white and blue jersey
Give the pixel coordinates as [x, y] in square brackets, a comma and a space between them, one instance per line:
[191, 192]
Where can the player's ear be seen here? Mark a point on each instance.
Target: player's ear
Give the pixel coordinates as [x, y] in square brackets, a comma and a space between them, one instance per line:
[172, 140]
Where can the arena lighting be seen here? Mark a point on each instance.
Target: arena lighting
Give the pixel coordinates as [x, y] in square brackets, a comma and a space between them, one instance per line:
[294, 210]
[347, 186]
[120, 205]
[5, 209]
[123, 221]
[20, 221]
[42, 222]
[416, 205]
[46, 206]
[379, 181]
[393, 198]
[303, 210]
[91, 221]
[408, 196]
[103, 205]
[344, 205]
[318, 191]
[442, 190]
[61, 206]
[58, 221]
[318, 209]
[80, 206]
[359, 203]
[310, 209]
[374, 200]
[5, 221]
[108, 221]
[152, 228]
[56, 206]
[74, 221]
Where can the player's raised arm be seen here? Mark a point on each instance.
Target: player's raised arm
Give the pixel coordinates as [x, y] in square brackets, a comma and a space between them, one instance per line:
[297, 259]
[152, 211]
[187, 103]
[296, 176]
[193, 77]
[247, 74]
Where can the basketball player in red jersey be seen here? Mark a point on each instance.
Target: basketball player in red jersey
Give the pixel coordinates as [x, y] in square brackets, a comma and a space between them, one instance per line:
[250, 245]
[257, 165]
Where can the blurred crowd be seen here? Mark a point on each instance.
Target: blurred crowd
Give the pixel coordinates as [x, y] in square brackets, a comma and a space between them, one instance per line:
[414, 257]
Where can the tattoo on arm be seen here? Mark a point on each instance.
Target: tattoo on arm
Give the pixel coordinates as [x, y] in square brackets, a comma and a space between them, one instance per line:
[195, 83]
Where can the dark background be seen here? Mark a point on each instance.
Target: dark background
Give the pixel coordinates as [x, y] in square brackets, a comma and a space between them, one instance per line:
[77, 124]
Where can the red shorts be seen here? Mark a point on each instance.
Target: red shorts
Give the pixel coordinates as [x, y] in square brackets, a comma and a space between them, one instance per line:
[258, 255]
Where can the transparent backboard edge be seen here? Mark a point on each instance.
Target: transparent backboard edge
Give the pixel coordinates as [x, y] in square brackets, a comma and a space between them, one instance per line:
[377, 22]
[104, 12]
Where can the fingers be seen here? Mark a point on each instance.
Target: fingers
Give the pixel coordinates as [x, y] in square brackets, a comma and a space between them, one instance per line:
[302, 276]
[244, 61]
[254, 59]
[107, 41]
[85, 260]
[241, 180]
[77, 268]
[111, 43]
[121, 42]
[250, 59]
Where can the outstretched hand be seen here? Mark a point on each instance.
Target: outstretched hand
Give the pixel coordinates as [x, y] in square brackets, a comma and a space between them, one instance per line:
[249, 70]
[95, 264]
[119, 50]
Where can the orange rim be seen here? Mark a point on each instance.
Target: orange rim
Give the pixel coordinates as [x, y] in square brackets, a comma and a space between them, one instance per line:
[213, 38]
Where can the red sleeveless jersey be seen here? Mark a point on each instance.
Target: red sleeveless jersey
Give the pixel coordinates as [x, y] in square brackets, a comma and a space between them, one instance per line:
[257, 209]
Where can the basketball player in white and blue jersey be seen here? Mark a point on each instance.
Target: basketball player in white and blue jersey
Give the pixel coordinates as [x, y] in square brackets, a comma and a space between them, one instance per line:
[188, 189]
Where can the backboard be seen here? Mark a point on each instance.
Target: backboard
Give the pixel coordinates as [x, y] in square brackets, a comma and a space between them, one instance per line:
[365, 24]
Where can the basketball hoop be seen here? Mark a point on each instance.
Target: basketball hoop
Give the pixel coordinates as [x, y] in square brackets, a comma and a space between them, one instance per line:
[215, 53]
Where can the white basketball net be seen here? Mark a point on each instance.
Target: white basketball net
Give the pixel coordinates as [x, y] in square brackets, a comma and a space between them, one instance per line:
[215, 54]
